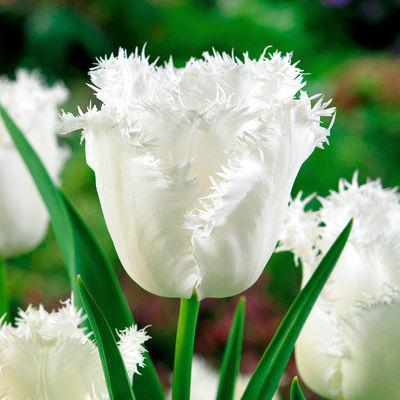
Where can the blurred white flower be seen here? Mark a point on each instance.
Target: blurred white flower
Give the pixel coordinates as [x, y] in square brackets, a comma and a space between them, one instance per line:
[194, 165]
[47, 356]
[349, 346]
[33, 107]
[204, 382]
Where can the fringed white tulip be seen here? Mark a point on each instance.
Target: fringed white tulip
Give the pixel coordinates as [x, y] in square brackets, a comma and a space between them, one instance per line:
[47, 356]
[204, 382]
[194, 165]
[33, 106]
[349, 347]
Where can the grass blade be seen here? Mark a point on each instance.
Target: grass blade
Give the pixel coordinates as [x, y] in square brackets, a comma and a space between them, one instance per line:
[233, 351]
[83, 256]
[117, 380]
[266, 377]
[95, 269]
[185, 334]
[295, 390]
[4, 300]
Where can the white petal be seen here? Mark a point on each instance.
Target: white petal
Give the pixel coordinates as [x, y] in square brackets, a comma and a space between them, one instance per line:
[244, 234]
[23, 216]
[144, 208]
[317, 351]
[47, 356]
[33, 107]
[248, 211]
[371, 364]
[130, 346]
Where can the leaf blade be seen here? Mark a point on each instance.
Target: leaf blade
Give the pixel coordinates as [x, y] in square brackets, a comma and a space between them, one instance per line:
[115, 374]
[295, 390]
[231, 360]
[266, 377]
[4, 297]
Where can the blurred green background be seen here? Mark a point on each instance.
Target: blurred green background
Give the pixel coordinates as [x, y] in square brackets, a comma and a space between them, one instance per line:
[349, 48]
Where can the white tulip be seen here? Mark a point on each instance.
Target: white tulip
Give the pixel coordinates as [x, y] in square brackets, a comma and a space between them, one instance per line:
[33, 107]
[204, 382]
[47, 356]
[349, 346]
[194, 165]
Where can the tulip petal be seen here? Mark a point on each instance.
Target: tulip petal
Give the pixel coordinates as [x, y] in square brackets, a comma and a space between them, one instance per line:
[23, 223]
[143, 207]
[249, 204]
[370, 365]
[317, 351]
[243, 234]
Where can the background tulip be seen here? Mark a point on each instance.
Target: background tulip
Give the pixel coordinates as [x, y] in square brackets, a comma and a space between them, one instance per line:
[47, 356]
[33, 106]
[348, 348]
[194, 166]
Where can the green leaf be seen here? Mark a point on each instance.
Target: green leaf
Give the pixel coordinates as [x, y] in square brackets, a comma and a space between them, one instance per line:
[295, 390]
[185, 333]
[117, 380]
[4, 301]
[83, 256]
[94, 268]
[265, 379]
[233, 350]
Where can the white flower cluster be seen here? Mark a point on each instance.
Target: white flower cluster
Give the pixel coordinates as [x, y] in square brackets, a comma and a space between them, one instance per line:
[33, 107]
[47, 356]
[214, 148]
[348, 347]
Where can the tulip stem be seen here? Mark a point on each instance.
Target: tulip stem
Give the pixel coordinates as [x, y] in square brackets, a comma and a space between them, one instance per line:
[3, 289]
[185, 333]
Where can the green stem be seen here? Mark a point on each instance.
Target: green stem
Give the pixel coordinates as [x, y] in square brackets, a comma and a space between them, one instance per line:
[3, 289]
[184, 344]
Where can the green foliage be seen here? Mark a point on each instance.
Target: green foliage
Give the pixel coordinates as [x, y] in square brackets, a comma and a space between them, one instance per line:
[67, 32]
[233, 351]
[295, 390]
[266, 377]
[117, 379]
[3, 289]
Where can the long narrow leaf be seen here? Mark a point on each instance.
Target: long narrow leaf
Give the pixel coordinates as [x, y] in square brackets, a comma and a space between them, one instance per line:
[95, 269]
[99, 277]
[233, 351]
[4, 301]
[266, 377]
[295, 390]
[117, 380]
[83, 256]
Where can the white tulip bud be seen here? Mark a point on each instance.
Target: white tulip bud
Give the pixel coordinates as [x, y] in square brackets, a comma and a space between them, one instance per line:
[33, 107]
[194, 165]
[48, 356]
[348, 348]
